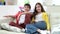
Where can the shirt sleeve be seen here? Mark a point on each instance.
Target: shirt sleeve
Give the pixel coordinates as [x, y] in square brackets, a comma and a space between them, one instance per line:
[15, 16]
[45, 17]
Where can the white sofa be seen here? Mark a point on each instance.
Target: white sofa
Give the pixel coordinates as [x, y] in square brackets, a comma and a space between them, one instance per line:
[7, 10]
[54, 12]
[7, 20]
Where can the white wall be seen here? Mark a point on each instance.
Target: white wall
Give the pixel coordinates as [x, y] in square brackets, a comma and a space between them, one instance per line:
[8, 10]
[54, 12]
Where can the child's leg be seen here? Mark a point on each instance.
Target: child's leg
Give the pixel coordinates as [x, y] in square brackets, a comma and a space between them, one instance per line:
[41, 25]
[30, 28]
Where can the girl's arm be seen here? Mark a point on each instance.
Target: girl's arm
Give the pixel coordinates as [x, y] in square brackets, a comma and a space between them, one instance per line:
[45, 17]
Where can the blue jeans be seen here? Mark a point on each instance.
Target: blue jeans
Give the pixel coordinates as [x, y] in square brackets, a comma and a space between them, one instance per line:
[32, 28]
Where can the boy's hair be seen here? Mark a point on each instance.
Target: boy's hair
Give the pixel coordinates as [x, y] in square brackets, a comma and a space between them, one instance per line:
[28, 5]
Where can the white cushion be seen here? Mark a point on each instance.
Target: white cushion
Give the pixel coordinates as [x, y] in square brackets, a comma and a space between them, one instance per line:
[10, 28]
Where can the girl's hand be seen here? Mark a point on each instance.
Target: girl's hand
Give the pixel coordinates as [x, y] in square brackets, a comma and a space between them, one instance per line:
[36, 21]
[48, 32]
[49, 29]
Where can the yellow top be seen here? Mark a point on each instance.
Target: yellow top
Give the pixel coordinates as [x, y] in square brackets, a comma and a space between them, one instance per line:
[45, 17]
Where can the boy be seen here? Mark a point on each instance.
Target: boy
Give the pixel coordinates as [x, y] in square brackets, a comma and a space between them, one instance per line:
[22, 18]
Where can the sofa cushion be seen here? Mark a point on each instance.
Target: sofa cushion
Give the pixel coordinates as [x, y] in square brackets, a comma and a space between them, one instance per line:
[9, 32]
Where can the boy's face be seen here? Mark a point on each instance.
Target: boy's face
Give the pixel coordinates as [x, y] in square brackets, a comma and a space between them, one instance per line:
[26, 8]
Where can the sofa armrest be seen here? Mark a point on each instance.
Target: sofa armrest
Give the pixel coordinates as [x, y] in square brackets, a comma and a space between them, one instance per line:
[6, 20]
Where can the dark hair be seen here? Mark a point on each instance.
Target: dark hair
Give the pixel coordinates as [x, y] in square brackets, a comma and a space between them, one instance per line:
[35, 11]
[28, 5]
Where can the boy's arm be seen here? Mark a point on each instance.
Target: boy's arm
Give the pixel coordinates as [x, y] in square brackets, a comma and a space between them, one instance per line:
[13, 16]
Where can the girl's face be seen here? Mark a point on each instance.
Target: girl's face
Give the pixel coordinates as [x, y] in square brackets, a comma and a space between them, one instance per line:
[38, 8]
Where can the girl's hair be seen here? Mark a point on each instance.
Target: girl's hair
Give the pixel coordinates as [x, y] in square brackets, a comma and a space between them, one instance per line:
[35, 11]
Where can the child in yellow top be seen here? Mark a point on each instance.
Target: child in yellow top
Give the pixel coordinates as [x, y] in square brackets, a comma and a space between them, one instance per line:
[40, 21]
[45, 17]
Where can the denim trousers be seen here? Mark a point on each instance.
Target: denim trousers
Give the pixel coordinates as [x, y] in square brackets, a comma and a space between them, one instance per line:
[32, 28]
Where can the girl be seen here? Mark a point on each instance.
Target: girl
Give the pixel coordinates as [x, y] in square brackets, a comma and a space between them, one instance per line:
[40, 21]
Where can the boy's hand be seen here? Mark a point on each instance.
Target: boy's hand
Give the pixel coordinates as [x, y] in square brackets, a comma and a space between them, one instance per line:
[9, 16]
[27, 12]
